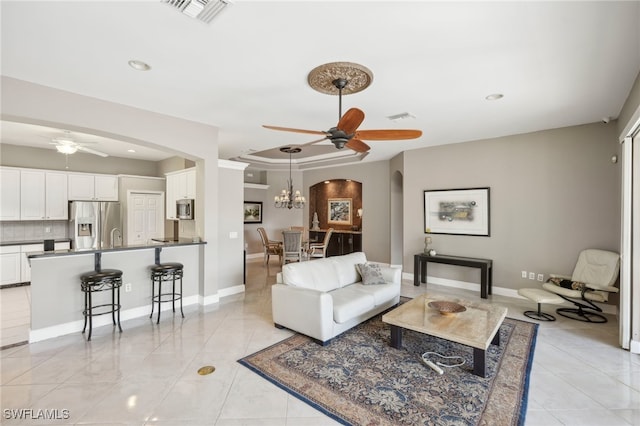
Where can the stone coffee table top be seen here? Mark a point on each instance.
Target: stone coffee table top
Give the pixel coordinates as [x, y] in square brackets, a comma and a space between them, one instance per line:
[475, 326]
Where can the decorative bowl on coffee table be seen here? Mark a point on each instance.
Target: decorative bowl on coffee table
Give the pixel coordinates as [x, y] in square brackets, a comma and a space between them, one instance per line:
[446, 308]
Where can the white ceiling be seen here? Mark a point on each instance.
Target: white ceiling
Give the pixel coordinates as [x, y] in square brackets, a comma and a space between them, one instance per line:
[557, 63]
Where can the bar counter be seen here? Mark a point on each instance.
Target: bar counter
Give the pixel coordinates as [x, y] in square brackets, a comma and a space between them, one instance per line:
[57, 301]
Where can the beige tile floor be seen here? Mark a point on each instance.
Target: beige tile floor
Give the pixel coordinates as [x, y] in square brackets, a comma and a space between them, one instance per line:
[148, 374]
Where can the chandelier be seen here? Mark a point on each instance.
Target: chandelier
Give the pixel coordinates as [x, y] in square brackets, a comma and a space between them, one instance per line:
[287, 198]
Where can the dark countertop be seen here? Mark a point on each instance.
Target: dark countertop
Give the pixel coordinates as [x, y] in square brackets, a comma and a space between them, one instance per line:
[180, 242]
[27, 242]
[337, 231]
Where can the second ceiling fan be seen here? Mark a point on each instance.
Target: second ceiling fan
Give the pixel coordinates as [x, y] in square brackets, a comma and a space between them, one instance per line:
[346, 133]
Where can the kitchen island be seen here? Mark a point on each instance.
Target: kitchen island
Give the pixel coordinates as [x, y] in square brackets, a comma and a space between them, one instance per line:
[57, 301]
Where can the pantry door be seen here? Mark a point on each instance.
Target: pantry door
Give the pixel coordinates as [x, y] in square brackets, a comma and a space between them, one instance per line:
[145, 217]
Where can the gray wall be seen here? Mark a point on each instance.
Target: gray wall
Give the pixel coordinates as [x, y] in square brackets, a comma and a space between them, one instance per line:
[553, 193]
[35, 104]
[274, 220]
[230, 220]
[40, 158]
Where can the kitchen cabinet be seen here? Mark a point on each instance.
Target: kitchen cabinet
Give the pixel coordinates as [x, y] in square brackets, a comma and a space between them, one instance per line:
[43, 195]
[9, 265]
[14, 263]
[9, 194]
[180, 185]
[88, 187]
[340, 242]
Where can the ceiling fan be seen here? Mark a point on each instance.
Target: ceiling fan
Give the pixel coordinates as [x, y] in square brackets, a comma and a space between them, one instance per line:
[346, 133]
[66, 144]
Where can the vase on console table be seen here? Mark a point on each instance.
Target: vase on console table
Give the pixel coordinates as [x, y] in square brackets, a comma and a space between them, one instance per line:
[315, 222]
[427, 246]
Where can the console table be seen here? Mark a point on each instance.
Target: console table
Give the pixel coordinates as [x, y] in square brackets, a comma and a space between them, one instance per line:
[420, 261]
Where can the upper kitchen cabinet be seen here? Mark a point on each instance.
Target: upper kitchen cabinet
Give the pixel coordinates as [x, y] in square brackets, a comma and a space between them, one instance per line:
[180, 185]
[43, 195]
[9, 194]
[84, 186]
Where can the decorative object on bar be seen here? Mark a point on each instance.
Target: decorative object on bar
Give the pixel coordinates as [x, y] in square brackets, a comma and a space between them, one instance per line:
[316, 222]
[288, 198]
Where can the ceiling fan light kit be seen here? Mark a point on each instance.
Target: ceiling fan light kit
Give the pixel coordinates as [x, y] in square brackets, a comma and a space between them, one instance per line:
[66, 149]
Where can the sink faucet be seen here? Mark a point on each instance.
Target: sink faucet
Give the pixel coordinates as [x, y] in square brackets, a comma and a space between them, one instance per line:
[114, 232]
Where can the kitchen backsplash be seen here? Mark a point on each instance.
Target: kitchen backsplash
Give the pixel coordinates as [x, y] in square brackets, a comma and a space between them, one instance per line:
[33, 230]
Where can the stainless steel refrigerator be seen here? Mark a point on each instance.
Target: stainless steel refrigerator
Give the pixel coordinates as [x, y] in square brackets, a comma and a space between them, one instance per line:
[95, 224]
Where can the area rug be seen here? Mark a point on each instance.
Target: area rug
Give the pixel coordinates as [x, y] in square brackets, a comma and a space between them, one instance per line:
[358, 379]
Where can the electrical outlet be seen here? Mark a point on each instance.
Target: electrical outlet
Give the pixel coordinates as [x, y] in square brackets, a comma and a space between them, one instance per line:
[524, 274]
[532, 275]
[47, 229]
[540, 277]
[127, 287]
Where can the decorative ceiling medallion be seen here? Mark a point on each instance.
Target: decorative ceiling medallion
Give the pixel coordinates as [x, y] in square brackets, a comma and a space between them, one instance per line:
[358, 77]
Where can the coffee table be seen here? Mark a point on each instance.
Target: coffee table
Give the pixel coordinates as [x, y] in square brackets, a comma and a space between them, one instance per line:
[476, 327]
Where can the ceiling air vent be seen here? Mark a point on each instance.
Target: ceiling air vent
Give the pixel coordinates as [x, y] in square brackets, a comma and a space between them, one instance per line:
[203, 10]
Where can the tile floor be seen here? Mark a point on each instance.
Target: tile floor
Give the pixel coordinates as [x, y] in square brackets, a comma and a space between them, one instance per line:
[148, 374]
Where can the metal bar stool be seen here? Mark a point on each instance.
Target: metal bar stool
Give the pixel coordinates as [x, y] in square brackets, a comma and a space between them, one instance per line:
[170, 271]
[96, 281]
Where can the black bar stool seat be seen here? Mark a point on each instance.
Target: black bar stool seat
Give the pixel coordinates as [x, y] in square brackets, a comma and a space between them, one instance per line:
[97, 281]
[163, 272]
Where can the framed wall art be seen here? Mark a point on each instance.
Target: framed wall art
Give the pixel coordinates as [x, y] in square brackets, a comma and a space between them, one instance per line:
[253, 212]
[339, 211]
[457, 211]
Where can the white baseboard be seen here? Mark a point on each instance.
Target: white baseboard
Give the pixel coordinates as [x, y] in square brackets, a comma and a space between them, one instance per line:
[634, 347]
[229, 291]
[499, 291]
[76, 326]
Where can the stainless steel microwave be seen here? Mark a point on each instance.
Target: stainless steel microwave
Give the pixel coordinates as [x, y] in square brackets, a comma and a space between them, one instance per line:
[184, 208]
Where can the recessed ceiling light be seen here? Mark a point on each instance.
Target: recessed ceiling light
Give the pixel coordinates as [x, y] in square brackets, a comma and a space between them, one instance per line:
[131, 150]
[494, 96]
[139, 65]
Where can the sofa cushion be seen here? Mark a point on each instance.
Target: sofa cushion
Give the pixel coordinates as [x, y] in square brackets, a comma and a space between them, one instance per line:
[371, 273]
[381, 293]
[318, 275]
[348, 303]
[346, 267]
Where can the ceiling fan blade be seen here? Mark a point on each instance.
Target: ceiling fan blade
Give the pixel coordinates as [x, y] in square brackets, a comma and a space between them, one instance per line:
[389, 134]
[358, 145]
[91, 151]
[288, 129]
[312, 142]
[351, 120]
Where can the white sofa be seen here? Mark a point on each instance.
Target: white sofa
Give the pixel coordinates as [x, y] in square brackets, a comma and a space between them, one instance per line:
[325, 297]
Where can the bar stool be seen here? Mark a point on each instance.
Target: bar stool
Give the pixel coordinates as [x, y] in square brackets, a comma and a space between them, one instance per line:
[170, 271]
[97, 281]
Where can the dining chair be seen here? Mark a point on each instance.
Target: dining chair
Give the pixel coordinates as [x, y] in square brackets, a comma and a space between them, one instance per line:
[292, 247]
[320, 249]
[269, 246]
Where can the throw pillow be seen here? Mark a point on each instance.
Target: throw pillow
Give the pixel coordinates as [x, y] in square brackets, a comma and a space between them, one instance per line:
[371, 273]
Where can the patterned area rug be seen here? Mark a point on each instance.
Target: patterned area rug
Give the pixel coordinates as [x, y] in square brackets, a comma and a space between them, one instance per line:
[358, 379]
